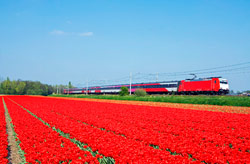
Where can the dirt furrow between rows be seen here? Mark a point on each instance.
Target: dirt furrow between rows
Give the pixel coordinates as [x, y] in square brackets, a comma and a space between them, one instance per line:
[13, 155]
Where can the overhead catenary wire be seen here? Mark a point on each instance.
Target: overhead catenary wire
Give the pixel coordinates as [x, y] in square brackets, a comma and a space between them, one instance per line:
[138, 77]
[213, 68]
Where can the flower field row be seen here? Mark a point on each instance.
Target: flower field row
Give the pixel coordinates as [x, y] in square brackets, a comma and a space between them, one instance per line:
[188, 132]
[161, 131]
[40, 143]
[122, 149]
[3, 135]
[128, 132]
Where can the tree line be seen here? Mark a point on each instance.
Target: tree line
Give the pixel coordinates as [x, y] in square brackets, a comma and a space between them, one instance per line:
[19, 87]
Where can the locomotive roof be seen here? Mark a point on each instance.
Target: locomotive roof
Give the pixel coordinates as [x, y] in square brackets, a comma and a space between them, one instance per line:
[205, 78]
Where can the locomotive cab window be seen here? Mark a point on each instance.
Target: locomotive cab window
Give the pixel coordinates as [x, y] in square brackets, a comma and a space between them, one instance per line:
[223, 82]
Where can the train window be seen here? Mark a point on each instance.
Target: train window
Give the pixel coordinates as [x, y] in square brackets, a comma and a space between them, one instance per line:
[215, 82]
[171, 85]
[223, 82]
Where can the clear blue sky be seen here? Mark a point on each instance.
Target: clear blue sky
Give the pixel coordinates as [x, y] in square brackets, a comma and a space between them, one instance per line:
[56, 41]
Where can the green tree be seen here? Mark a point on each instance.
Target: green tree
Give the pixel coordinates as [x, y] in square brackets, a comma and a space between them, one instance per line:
[13, 86]
[25, 87]
[140, 92]
[1, 90]
[6, 86]
[35, 88]
[50, 89]
[70, 85]
[124, 91]
[20, 88]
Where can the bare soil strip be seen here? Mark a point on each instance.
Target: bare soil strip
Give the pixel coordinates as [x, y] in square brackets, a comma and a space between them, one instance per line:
[14, 156]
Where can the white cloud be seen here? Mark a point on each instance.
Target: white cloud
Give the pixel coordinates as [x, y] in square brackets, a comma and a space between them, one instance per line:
[82, 34]
[58, 32]
[86, 34]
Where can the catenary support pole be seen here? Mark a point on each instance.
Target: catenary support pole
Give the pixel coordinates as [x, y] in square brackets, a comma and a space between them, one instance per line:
[68, 89]
[130, 83]
[87, 88]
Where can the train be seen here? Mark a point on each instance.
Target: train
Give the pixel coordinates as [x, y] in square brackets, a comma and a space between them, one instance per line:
[209, 85]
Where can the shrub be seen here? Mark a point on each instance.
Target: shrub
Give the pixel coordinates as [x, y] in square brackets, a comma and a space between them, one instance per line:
[140, 92]
[124, 91]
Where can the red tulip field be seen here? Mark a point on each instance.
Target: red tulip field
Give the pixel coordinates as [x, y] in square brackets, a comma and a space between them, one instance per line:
[61, 130]
[3, 136]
